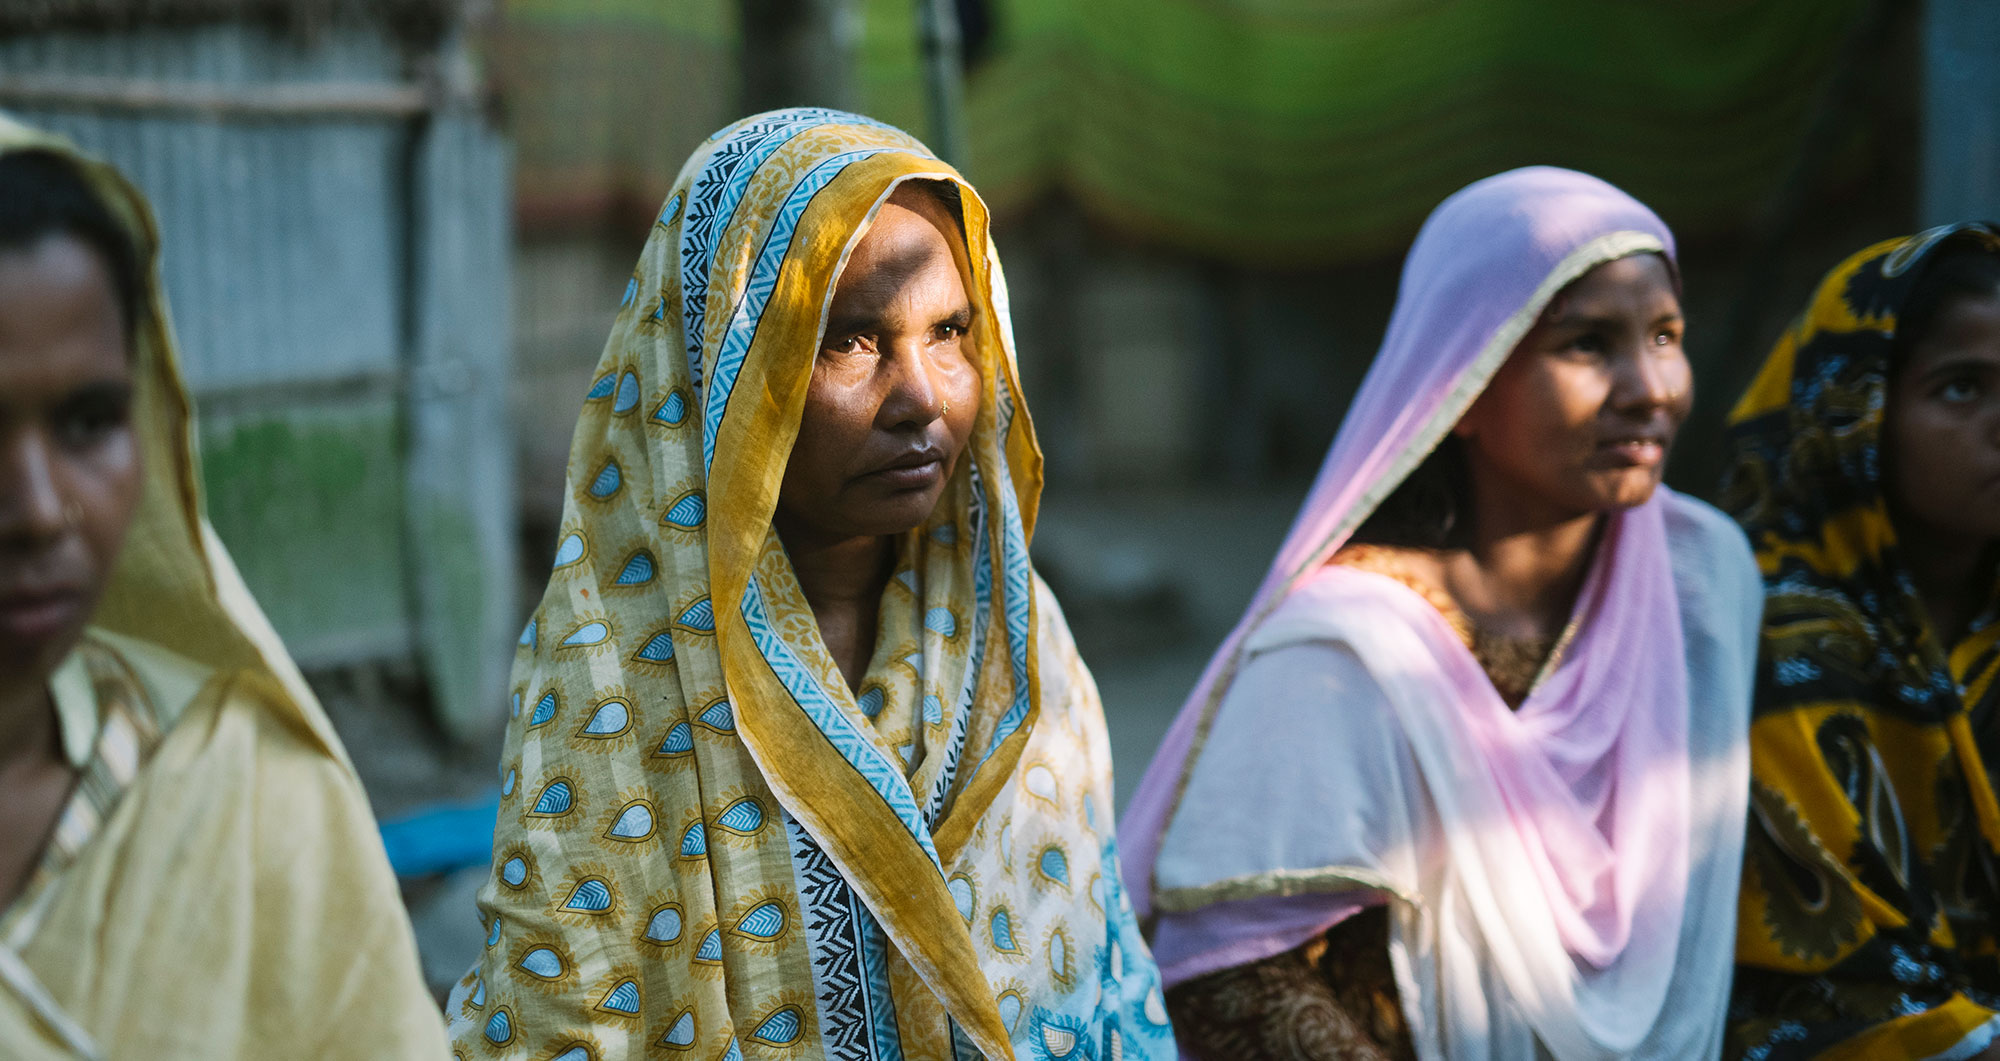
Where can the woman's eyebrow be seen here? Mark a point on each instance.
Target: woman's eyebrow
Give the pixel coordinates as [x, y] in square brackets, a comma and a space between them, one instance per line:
[1956, 364]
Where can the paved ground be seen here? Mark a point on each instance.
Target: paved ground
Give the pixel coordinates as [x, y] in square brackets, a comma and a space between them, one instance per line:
[1150, 581]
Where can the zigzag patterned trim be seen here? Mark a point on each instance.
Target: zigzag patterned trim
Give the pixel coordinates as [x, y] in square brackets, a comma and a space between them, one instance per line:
[1019, 589]
[717, 190]
[982, 599]
[883, 776]
[749, 311]
[857, 1015]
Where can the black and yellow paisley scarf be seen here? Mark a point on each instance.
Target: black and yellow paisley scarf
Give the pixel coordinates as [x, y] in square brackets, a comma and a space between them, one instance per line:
[1867, 924]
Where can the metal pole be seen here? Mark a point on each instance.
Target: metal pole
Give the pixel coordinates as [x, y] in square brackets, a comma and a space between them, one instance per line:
[944, 77]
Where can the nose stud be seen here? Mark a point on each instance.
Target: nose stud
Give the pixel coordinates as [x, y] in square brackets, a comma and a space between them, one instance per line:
[946, 411]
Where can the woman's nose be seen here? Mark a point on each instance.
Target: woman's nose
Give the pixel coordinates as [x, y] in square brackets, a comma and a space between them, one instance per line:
[1648, 380]
[914, 394]
[31, 502]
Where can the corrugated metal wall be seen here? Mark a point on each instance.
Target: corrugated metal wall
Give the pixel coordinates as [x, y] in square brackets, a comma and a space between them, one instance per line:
[338, 277]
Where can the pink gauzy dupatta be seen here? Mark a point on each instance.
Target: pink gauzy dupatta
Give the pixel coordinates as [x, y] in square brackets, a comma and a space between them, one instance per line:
[1552, 875]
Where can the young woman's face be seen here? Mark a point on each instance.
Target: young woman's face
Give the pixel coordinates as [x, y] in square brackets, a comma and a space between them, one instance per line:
[894, 388]
[69, 459]
[1942, 427]
[1580, 418]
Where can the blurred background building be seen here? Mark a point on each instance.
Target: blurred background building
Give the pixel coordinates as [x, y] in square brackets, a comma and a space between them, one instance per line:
[396, 232]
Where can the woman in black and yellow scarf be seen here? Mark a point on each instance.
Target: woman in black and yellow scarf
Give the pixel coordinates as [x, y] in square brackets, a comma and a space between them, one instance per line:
[1867, 473]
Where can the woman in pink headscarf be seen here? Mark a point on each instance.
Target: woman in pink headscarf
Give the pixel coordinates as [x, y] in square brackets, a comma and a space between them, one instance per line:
[1468, 780]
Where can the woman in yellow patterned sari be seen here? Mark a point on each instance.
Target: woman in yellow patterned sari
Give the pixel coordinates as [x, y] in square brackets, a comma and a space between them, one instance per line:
[803, 762]
[1867, 474]
[188, 866]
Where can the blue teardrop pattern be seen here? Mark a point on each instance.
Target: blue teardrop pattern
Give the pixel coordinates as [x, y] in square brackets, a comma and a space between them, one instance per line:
[1059, 956]
[555, 801]
[681, 1035]
[545, 709]
[576, 1052]
[962, 895]
[871, 700]
[734, 1053]
[612, 718]
[694, 842]
[688, 511]
[627, 398]
[633, 824]
[940, 621]
[672, 211]
[766, 922]
[514, 705]
[945, 534]
[623, 998]
[591, 896]
[507, 786]
[609, 480]
[781, 1028]
[933, 709]
[637, 571]
[601, 389]
[528, 633]
[658, 648]
[699, 617]
[631, 293]
[594, 632]
[679, 740]
[514, 871]
[493, 934]
[673, 411]
[1054, 865]
[570, 549]
[664, 926]
[478, 997]
[500, 1027]
[710, 950]
[541, 963]
[1002, 929]
[1010, 1010]
[718, 716]
[744, 816]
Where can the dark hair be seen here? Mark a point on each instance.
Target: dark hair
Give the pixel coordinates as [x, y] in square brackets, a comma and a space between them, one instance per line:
[946, 194]
[43, 194]
[1969, 270]
[1431, 509]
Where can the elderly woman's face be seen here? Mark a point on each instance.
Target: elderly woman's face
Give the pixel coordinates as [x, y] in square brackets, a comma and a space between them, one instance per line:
[894, 388]
[1580, 417]
[69, 459]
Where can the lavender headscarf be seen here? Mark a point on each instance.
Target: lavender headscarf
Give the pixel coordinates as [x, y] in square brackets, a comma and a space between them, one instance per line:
[1591, 775]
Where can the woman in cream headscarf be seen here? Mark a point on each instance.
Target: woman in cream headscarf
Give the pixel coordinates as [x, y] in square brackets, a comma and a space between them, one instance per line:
[803, 762]
[191, 863]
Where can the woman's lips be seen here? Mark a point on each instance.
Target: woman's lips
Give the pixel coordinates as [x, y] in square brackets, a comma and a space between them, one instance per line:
[1634, 452]
[911, 476]
[42, 614]
[912, 469]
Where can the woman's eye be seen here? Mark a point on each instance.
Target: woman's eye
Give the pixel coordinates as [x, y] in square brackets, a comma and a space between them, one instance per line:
[1587, 344]
[949, 332]
[84, 424]
[848, 345]
[1958, 390]
[1667, 338]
